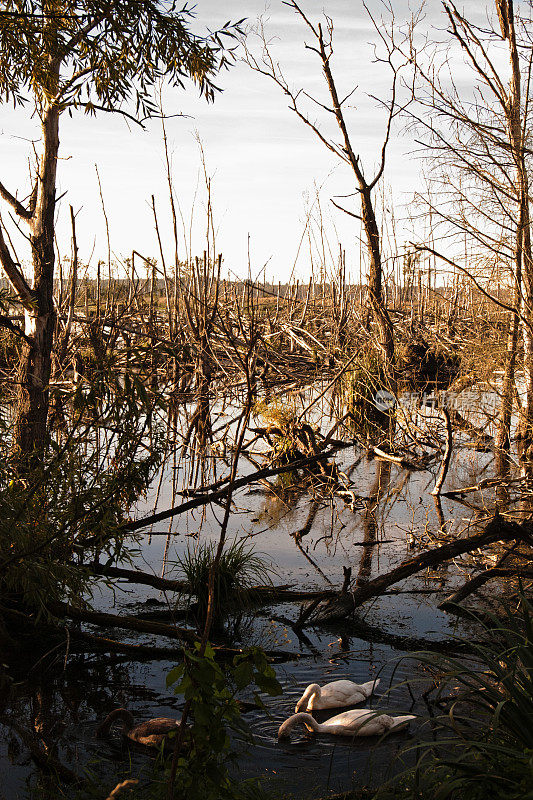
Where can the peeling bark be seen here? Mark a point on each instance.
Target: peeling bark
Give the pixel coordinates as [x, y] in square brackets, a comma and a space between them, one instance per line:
[35, 358]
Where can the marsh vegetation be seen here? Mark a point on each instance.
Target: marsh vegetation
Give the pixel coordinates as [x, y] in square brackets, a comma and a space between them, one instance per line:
[214, 492]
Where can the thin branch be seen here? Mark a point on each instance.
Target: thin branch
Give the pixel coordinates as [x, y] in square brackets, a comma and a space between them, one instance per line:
[350, 213]
[15, 275]
[21, 210]
[424, 249]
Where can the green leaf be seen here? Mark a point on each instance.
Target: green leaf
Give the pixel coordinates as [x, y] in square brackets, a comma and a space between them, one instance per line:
[174, 675]
[243, 674]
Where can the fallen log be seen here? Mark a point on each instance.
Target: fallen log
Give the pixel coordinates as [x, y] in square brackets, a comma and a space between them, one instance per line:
[137, 651]
[105, 620]
[486, 483]
[142, 651]
[136, 576]
[381, 455]
[496, 530]
[475, 583]
[220, 494]
[258, 593]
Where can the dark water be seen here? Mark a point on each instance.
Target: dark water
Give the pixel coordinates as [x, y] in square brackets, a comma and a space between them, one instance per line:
[67, 694]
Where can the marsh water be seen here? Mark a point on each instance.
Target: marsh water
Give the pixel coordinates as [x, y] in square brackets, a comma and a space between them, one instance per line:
[67, 694]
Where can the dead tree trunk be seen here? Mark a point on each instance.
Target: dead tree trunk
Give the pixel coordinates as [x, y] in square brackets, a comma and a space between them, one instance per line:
[523, 251]
[375, 278]
[503, 436]
[73, 282]
[322, 34]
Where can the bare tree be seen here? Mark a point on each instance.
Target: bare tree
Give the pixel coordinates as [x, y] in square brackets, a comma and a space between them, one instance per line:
[479, 142]
[345, 149]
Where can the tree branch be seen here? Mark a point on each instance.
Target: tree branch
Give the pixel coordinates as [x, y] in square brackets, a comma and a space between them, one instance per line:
[21, 210]
[15, 276]
[424, 249]
[350, 213]
[6, 322]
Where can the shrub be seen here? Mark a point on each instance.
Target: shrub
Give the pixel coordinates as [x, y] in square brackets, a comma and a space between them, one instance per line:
[484, 743]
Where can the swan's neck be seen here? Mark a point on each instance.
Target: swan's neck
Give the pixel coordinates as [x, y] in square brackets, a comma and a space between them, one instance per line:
[312, 691]
[118, 714]
[315, 691]
[296, 719]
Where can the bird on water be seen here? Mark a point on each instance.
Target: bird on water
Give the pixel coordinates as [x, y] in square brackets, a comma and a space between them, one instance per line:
[357, 722]
[335, 694]
[152, 732]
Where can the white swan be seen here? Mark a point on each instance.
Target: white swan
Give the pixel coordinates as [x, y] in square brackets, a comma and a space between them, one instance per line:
[335, 695]
[357, 722]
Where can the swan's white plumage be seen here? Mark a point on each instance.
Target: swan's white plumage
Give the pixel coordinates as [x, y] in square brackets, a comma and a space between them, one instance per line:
[357, 722]
[335, 694]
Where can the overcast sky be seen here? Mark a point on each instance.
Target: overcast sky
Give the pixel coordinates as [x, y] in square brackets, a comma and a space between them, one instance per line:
[265, 165]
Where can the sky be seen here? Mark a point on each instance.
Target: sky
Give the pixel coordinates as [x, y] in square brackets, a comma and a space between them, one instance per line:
[269, 174]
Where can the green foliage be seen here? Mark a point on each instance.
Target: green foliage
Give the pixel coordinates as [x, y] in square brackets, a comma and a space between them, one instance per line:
[484, 745]
[239, 569]
[70, 507]
[106, 52]
[210, 687]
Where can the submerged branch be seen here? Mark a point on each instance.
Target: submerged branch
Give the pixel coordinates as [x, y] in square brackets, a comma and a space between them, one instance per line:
[496, 530]
[220, 494]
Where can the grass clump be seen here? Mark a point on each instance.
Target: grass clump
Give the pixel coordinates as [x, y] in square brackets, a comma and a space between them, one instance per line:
[239, 570]
[290, 438]
[281, 430]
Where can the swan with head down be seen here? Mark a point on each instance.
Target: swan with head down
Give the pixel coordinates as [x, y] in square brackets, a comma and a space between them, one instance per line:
[153, 732]
[357, 722]
[335, 694]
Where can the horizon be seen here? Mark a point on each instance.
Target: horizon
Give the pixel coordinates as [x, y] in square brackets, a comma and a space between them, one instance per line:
[271, 181]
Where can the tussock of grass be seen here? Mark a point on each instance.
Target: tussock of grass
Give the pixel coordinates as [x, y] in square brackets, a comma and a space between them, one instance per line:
[239, 570]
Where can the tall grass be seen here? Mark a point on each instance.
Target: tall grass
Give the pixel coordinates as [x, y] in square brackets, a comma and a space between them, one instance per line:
[239, 570]
[483, 746]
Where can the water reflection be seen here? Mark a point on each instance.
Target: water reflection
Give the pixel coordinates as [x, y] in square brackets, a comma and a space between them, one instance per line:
[311, 536]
